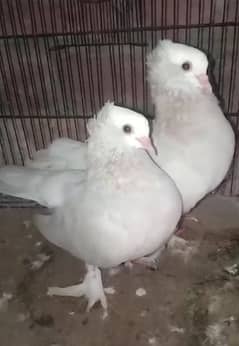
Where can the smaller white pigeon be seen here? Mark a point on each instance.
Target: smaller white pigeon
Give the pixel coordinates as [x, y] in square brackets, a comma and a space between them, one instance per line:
[123, 209]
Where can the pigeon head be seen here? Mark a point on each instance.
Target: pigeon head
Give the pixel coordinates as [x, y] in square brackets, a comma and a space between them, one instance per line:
[120, 129]
[176, 67]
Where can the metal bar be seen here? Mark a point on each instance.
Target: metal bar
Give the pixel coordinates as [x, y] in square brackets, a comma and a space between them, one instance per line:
[121, 30]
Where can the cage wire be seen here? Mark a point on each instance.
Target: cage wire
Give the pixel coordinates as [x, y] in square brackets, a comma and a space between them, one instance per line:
[61, 60]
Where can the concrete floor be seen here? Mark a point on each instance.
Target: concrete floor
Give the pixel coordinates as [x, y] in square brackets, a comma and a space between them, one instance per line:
[187, 302]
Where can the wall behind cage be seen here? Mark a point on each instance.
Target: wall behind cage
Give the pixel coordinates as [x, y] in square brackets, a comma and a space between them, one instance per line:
[61, 60]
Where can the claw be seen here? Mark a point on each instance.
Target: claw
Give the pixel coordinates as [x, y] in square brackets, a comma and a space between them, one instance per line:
[91, 288]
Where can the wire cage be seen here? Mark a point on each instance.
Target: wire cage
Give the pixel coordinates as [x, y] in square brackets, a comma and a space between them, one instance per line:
[60, 60]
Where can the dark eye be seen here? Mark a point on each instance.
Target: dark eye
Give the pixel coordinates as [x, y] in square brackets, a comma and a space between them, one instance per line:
[127, 128]
[186, 66]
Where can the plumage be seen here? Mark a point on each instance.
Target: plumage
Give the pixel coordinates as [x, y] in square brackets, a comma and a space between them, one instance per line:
[194, 139]
[62, 153]
[125, 208]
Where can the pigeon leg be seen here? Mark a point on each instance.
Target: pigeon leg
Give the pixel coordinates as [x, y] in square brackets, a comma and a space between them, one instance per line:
[180, 246]
[91, 288]
[150, 261]
[180, 229]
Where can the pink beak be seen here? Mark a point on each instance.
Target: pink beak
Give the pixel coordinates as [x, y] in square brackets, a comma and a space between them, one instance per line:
[204, 82]
[145, 142]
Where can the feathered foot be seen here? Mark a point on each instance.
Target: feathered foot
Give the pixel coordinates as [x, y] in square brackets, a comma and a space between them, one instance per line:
[151, 261]
[180, 246]
[180, 229]
[91, 288]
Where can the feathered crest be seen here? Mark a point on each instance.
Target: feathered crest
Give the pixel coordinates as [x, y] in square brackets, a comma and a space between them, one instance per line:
[100, 118]
[158, 52]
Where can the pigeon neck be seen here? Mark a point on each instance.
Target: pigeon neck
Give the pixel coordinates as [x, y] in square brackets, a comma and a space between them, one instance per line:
[102, 153]
[178, 95]
[176, 108]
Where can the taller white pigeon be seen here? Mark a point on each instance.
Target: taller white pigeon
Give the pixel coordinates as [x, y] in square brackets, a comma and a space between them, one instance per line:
[195, 140]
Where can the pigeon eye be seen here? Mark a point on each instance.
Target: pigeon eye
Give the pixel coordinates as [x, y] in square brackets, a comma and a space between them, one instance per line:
[127, 128]
[186, 66]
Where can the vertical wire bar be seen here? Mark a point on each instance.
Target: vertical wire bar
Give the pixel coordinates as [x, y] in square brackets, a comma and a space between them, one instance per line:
[60, 68]
[101, 10]
[114, 76]
[40, 70]
[211, 21]
[28, 54]
[86, 20]
[155, 17]
[72, 9]
[55, 41]
[113, 72]
[68, 57]
[132, 55]
[39, 59]
[132, 70]
[177, 19]
[234, 66]
[202, 29]
[95, 20]
[79, 65]
[222, 48]
[166, 16]
[49, 67]
[143, 58]
[2, 144]
[121, 67]
[174, 19]
[188, 21]
[98, 21]
[162, 19]
[199, 21]
[70, 105]
[8, 95]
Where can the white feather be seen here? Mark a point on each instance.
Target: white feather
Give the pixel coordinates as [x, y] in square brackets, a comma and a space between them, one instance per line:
[46, 187]
[63, 153]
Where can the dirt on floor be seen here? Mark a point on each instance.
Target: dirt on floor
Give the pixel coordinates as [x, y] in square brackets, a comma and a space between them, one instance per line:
[188, 301]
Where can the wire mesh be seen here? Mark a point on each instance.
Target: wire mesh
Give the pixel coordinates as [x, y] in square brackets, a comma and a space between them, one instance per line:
[60, 60]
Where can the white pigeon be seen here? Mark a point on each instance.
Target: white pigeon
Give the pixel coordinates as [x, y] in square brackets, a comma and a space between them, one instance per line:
[194, 139]
[125, 208]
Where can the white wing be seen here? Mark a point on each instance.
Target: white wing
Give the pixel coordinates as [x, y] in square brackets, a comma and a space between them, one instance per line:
[47, 187]
[63, 153]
